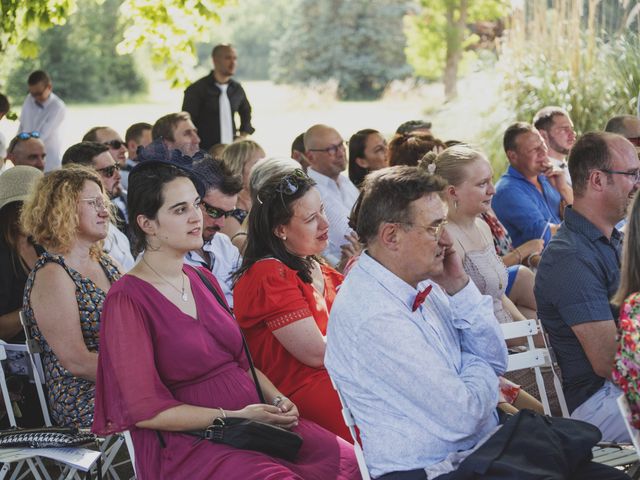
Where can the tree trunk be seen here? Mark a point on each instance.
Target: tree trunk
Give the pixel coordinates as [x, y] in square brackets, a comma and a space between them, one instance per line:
[454, 38]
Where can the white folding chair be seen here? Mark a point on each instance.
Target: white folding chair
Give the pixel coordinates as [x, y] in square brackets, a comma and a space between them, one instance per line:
[534, 357]
[351, 424]
[109, 446]
[35, 466]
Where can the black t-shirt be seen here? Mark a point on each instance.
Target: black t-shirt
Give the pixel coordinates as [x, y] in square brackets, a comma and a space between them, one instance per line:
[13, 278]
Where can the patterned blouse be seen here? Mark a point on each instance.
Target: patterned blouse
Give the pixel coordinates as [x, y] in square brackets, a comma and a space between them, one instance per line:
[501, 238]
[626, 371]
[70, 398]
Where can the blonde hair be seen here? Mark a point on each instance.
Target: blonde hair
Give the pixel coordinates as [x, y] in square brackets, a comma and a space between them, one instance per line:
[236, 154]
[50, 213]
[629, 272]
[450, 163]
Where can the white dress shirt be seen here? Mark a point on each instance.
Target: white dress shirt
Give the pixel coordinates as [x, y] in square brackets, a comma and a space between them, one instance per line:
[338, 197]
[46, 119]
[117, 246]
[561, 165]
[225, 260]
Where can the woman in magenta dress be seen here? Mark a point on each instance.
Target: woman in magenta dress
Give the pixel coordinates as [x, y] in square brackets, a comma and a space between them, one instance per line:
[172, 360]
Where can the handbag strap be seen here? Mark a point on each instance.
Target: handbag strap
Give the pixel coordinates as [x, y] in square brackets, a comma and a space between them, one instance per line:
[223, 304]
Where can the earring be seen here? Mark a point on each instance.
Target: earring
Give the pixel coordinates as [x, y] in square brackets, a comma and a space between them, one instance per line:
[284, 238]
[455, 204]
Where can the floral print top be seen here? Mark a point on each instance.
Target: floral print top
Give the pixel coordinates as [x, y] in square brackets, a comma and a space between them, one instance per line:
[501, 238]
[626, 371]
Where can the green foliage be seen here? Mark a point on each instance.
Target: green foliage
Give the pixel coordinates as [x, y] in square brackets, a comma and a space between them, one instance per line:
[81, 58]
[358, 43]
[428, 30]
[251, 27]
[171, 28]
[19, 18]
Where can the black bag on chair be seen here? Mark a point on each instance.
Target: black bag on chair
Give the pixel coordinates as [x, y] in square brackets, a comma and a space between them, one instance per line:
[245, 433]
[44, 437]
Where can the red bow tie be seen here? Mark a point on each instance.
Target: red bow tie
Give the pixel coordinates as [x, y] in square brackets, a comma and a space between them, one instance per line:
[420, 298]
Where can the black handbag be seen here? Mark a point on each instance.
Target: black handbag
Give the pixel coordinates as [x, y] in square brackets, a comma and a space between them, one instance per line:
[45, 437]
[244, 433]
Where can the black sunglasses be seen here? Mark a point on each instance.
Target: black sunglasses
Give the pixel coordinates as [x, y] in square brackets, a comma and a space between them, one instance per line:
[115, 144]
[109, 171]
[291, 183]
[215, 212]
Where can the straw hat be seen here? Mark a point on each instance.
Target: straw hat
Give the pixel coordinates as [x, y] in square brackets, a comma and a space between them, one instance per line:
[16, 183]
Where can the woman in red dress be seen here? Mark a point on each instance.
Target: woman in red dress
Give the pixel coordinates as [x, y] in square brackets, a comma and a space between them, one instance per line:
[284, 293]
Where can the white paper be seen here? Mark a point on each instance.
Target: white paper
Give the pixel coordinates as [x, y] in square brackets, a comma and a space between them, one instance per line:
[81, 458]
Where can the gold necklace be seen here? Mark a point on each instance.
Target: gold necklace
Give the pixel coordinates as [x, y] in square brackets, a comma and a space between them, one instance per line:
[475, 228]
[183, 293]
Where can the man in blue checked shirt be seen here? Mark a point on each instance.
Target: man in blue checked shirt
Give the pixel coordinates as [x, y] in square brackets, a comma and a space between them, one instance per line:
[413, 346]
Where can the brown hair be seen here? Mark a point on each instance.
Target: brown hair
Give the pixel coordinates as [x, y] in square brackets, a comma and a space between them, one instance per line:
[408, 149]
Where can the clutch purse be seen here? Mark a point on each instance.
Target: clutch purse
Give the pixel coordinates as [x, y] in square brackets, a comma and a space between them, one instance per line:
[44, 437]
[252, 435]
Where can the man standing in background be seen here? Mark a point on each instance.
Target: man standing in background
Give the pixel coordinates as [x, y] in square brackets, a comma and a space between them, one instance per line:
[44, 112]
[213, 101]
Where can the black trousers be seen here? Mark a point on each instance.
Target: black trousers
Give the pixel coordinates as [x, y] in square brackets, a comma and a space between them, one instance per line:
[587, 471]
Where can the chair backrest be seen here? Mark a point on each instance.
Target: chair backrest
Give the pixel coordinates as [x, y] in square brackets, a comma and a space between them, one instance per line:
[34, 351]
[534, 357]
[8, 404]
[351, 425]
[625, 410]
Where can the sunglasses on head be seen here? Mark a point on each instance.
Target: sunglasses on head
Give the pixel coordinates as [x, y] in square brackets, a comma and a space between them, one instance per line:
[109, 171]
[115, 144]
[215, 212]
[28, 135]
[291, 183]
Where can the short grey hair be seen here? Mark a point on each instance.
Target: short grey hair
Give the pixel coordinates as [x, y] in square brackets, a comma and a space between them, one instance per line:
[266, 168]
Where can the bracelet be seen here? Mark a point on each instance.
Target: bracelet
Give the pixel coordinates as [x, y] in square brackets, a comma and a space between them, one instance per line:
[519, 255]
[277, 400]
[528, 259]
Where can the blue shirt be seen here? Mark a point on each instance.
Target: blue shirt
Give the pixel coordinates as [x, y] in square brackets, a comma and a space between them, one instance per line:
[523, 210]
[578, 273]
[423, 385]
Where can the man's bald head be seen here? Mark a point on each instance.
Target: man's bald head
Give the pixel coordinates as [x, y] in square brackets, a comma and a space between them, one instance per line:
[626, 125]
[325, 150]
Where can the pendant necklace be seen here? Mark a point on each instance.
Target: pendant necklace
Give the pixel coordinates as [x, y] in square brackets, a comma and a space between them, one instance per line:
[183, 293]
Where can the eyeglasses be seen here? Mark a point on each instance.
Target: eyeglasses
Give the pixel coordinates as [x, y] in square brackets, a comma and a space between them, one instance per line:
[97, 203]
[331, 149]
[635, 174]
[215, 212]
[435, 231]
[115, 144]
[28, 135]
[109, 171]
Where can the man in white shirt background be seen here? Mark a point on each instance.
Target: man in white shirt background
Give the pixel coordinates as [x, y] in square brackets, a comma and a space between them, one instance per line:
[327, 157]
[43, 112]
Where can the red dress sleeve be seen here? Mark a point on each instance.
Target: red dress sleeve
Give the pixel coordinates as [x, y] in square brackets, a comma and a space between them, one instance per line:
[272, 293]
[128, 386]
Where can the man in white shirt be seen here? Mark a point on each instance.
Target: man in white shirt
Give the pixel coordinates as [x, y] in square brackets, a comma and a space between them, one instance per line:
[556, 128]
[44, 112]
[326, 154]
[217, 254]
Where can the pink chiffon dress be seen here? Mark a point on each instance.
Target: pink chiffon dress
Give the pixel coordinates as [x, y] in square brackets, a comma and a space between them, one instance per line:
[154, 357]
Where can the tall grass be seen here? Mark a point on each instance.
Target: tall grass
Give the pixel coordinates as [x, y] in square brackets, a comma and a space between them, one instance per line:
[563, 56]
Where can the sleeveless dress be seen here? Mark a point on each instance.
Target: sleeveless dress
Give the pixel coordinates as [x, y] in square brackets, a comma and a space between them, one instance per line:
[154, 357]
[70, 398]
[489, 274]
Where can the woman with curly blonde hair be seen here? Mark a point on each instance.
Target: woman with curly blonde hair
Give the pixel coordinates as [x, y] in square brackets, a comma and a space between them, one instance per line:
[68, 214]
[240, 157]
